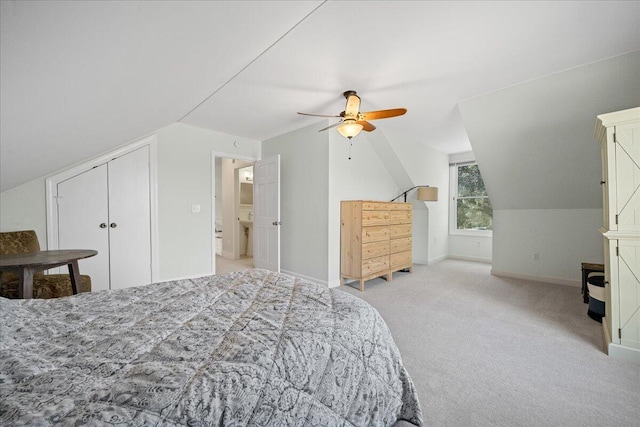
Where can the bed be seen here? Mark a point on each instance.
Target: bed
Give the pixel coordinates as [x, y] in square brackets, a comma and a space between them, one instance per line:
[245, 348]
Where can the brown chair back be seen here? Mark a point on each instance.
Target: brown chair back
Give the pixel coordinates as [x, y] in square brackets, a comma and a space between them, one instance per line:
[18, 242]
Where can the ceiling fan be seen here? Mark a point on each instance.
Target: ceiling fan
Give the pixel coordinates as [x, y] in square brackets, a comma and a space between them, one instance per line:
[353, 121]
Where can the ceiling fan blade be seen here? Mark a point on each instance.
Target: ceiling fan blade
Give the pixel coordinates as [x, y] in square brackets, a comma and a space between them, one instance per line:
[382, 114]
[317, 115]
[353, 105]
[366, 126]
[332, 126]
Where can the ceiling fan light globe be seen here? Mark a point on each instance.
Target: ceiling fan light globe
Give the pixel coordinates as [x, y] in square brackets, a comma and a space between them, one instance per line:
[349, 129]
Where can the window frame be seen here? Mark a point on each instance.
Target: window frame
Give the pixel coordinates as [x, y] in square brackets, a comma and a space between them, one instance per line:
[453, 206]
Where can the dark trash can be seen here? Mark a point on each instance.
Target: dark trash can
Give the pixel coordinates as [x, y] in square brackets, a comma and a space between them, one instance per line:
[587, 269]
[595, 283]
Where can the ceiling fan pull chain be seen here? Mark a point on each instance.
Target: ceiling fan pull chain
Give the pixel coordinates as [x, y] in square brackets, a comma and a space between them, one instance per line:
[350, 145]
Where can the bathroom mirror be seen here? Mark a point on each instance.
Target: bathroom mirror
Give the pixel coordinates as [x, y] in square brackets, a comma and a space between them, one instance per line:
[246, 193]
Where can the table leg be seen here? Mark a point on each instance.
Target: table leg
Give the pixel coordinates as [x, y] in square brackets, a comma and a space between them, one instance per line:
[25, 285]
[74, 275]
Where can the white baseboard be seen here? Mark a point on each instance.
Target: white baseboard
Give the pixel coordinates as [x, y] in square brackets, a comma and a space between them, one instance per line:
[310, 279]
[435, 259]
[471, 258]
[605, 334]
[626, 353]
[543, 279]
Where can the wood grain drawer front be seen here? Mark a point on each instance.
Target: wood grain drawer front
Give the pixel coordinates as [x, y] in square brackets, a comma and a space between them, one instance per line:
[375, 249]
[402, 230]
[375, 218]
[399, 206]
[400, 217]
[374, 265]
[400, 245]
[400, 259]
[375, 206]
[375, 234]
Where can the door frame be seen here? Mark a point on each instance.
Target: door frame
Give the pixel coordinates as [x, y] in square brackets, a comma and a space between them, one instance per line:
[52, 182]
[225, 155]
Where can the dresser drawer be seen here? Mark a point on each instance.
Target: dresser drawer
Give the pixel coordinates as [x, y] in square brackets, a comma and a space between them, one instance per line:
[370, 218]
[375, 265]
[375, 249]
[401, 230]
[400, 217]
[399, 206]
[375, 206]
[400, 259]
[400, 245]
[375, 234]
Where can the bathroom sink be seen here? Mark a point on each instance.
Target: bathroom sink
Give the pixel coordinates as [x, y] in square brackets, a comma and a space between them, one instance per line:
[247, 224]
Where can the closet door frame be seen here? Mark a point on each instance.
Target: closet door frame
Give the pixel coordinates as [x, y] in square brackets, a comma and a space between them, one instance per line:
[51, 184]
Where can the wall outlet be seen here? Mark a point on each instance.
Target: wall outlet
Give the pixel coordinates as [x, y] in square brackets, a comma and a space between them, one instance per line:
[536, 256]
[195, 208]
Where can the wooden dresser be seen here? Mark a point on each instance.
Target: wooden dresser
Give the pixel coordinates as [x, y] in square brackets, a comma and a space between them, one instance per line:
[375, 239]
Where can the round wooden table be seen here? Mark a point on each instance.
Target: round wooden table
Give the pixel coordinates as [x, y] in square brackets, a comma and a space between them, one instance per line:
[25, 265]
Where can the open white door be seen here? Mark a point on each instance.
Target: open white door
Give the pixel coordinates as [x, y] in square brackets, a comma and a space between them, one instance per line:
[266, 213]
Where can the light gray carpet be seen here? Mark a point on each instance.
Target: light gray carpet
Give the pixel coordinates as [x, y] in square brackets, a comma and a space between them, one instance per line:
[489, 351]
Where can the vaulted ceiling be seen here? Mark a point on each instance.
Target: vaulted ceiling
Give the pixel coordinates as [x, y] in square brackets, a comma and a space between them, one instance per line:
[79, 78]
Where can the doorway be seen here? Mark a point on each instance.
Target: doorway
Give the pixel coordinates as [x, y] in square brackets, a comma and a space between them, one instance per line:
[233, 214]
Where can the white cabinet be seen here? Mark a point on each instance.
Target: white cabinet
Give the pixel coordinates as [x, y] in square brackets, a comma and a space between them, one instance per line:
[619, 135]
[107, 208]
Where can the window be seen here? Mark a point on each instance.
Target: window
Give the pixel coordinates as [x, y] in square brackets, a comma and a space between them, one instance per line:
[471, 211]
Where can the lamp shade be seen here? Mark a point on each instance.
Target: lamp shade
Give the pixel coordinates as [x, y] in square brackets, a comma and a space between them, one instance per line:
[349, 128]
[428, 194]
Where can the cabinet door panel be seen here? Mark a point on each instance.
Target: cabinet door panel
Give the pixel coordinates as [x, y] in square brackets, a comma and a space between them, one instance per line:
[629, 285]
[628, 177]
[82, 207]
[129, 219]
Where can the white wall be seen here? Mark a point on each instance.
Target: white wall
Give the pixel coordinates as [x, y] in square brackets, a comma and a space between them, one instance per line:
[541, 165]
[316, 174]
[23, 208]
[304, 200]
[471, 248]
[427, 166]
[563, 238]
[184, 179]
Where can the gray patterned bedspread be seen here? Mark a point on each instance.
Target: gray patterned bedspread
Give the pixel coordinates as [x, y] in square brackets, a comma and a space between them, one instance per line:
[245, 348]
